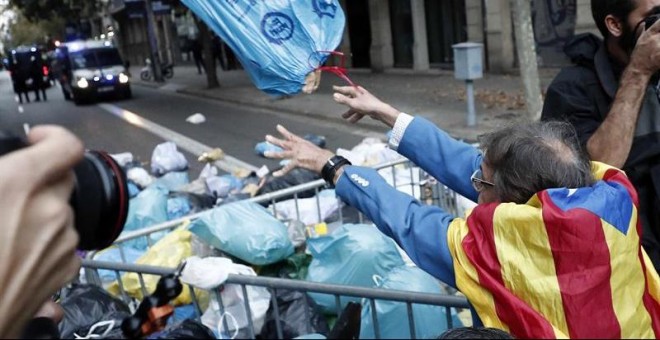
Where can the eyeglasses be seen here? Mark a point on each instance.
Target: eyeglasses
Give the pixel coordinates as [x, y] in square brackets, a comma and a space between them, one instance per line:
[478, 181]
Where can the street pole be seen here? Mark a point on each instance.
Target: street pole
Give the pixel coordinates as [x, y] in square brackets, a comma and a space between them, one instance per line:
[153, 44]
[525, 46]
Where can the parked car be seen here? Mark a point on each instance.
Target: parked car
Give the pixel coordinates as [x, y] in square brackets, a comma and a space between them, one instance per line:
[90, 69]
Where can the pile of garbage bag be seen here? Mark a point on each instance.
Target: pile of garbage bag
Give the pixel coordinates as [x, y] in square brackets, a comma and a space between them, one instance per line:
[299, 237]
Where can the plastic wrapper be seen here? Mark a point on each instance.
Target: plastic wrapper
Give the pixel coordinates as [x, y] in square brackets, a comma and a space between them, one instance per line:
[350, 255]
[245, 230]
[278, 42]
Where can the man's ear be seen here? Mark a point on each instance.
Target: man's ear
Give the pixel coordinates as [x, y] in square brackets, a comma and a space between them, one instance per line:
[614, 26]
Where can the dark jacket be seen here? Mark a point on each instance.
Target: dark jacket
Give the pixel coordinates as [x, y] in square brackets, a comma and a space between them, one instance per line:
[583, 95]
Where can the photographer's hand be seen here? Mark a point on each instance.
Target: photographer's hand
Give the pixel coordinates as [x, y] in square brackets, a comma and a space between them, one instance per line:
[361, 103]
[37, 238]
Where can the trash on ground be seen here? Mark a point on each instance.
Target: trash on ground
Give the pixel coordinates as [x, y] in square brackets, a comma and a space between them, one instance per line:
[197, 118]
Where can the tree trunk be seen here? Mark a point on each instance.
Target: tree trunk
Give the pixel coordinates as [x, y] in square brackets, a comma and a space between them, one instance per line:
[207, 53]
[525, 46]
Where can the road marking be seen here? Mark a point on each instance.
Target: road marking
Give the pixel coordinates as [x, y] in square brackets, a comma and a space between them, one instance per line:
[20, 109]
[228, 163]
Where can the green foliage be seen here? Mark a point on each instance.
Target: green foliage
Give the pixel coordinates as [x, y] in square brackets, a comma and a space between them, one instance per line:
[25, 32]
[44, 10]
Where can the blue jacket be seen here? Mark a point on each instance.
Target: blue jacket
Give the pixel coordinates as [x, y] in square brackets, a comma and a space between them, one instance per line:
[419, 229]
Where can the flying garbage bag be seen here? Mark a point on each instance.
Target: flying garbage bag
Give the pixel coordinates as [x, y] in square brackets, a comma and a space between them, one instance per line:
[280, 43]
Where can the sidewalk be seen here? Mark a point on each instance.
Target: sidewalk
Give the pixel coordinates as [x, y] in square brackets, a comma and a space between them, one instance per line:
[435, 95]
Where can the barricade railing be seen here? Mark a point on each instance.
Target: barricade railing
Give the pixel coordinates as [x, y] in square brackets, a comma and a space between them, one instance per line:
[275, 284]
[424, 187]
[401, 173]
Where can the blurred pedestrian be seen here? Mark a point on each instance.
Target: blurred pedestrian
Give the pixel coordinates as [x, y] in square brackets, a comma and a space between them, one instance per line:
[196, 49]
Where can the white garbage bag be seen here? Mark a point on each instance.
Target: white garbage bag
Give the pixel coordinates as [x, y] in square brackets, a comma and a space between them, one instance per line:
[211, 272]
[166, 158]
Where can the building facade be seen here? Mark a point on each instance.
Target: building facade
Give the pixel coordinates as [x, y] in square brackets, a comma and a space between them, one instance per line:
[419, 34]
[386, 34]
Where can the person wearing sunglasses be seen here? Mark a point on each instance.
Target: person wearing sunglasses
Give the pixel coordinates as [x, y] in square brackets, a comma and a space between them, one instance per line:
[552, 248]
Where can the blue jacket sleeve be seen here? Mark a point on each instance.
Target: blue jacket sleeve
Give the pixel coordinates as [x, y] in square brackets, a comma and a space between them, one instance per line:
[419, 229]
[449, 161]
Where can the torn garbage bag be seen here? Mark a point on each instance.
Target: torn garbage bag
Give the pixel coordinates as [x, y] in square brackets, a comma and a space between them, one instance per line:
[279, 42]
[245, 230]
[86, 305]
[350, 255]
[430, 321]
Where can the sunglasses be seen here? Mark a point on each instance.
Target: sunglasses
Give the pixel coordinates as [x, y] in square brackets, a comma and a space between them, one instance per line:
[478, 182]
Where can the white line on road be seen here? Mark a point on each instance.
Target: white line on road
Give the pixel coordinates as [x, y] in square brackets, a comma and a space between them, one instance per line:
[228, 163]
[21, 109]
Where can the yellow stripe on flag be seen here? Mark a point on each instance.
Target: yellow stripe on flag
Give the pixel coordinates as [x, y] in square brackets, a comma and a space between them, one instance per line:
[627, 280]
[528, 268]
[652, 277]
[467, 279]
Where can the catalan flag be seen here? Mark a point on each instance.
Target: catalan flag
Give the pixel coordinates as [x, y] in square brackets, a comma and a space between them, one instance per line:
[568, 264]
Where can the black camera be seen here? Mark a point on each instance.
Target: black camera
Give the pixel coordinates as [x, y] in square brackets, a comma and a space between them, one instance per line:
[100, 197]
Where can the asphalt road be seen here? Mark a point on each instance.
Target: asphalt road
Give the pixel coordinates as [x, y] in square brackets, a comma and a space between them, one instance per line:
[233, 128]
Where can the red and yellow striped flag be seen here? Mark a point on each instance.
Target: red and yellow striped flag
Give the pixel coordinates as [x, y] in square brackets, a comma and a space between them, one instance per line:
[568, 264]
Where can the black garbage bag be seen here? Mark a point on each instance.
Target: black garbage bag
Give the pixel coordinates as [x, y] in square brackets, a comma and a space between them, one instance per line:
[294, 320]
[108, 328]
[87, 305]
[294, 177]
[187, 329]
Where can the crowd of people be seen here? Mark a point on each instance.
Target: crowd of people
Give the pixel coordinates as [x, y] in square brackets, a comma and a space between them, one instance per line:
[562, 242]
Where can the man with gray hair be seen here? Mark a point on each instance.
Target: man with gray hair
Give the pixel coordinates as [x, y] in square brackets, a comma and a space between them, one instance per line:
[552, 249]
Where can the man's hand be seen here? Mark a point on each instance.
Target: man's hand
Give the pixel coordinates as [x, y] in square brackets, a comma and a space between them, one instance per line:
[38, 241]
[645, 57]
[362, 103]
[299, 151]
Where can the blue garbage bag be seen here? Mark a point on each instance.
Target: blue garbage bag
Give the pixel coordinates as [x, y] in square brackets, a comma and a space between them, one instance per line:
[113, 254]
[278, 42]
[351, 255]
[245, 230]
[177, 207]
[133, 189]
[145, 210]
[430, 321]
[172, 180]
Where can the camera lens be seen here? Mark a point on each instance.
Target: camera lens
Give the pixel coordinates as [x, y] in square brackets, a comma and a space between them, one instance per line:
[99, 200]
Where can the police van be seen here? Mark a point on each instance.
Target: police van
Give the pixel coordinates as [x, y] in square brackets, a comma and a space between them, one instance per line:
[91, 69]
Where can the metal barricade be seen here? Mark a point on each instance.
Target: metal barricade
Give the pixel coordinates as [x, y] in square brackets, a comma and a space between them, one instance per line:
[275, 284]
[416, 182]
